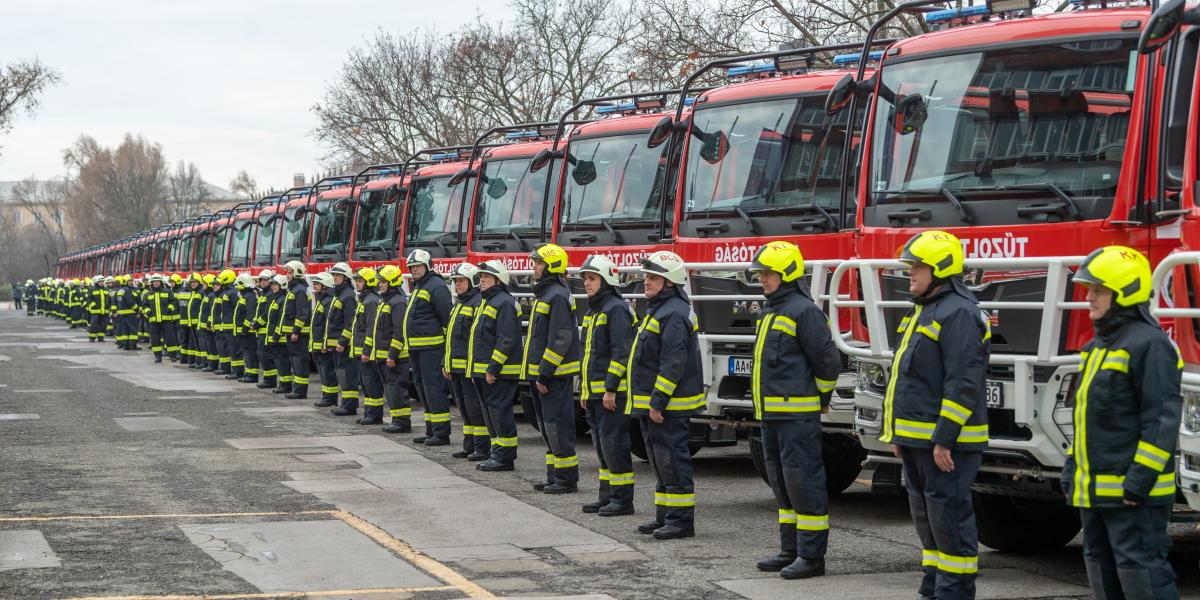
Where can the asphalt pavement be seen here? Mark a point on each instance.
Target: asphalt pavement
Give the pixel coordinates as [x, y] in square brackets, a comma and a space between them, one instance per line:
[124, 479]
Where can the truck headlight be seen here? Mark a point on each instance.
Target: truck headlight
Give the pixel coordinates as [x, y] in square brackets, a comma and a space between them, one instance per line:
[1191, 410]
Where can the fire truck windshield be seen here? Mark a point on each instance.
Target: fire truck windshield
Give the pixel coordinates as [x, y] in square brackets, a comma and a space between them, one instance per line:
[329, 230]
[375, 221]
[764, 156]
[216, 253]
[981, 129]
[615, 178]
[511, 198]
[264, 244]
[239, 250]
[292, 243]
[433, 211]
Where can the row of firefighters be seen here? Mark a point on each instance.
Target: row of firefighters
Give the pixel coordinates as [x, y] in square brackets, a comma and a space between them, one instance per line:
[364, 334]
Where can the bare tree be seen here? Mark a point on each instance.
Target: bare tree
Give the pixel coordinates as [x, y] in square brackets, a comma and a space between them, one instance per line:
[20, 85]
[244, 183]
[187, 193]
[115, 192]
[45, 238]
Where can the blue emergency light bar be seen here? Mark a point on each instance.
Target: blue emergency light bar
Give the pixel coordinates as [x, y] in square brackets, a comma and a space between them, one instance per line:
[337, 182]
[299, 192]
[609, 109]
[521, 135]
[690, 100]
[848, 59]
[949, 14]
[386, 172]
[751, 69]
[444, 156]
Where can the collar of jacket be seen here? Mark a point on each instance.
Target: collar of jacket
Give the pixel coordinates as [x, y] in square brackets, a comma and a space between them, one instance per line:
[428, 274]
[544, 284]
[953, 285]
[338, 289]
[468, 296]
[391, 291]
[491, 292]
[1118, 317]
[602, 296]
[667, 293]
[786, 291]
[299, 284]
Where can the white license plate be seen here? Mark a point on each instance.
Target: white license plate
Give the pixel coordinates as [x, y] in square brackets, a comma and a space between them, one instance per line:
[741, 365]
[995, 394]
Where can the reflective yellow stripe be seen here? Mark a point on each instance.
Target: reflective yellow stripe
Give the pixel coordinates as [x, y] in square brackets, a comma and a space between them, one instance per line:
[812, 522]
[674, 500]
[431, 417]
[894, 375]
[784, 324]
[914, 429]
[1151, 456]
[605, 474]
[825, 385]
[509, 370]
[552, 357]
[664, 385]
[1081, 496]
[567, 462]
[963, 565]
[1163, 486]
[489, 311]
[401, 412]
[792, 403]
[621, 479]
[929, 558]
[507, 442]
[1111, 486]
[787, 516]
[973, 434]
[499, 356]
[685, 403]
[541, 307]
[931, 331]
[569, 368]
[418, 342]
[955, 411]
[616, 368]
[1116, 360]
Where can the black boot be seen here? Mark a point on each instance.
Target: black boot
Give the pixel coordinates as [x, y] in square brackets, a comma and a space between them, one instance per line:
[460, 454]
[804, 568]
[493, 465]
[325, 402]
[436, 441]
[787, 550]
[342, 411]
[660, 515]
[369, 421]
[284, 388]
[477, 456]
[594, 507]
[266, 384]
[398, 425]
[615, 510]
[674, 532]
[554, 488]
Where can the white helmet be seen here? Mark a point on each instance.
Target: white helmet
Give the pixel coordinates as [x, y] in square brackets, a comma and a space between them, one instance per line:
[419, 257]
[667, 264]
[342, 269]
[266, 274]
[245, 280]
[280, 279]
[295, 268]
[496, 268]
[602, 266]
[325, 279]
[466, 271]
[95, 279]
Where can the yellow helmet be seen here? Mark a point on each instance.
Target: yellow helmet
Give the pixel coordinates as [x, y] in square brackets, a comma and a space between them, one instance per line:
[368, 275]
[938, 249]
[392, 275]
[1123, 270]
[176, 278]
[551, 254]
[209, 279]
[197, 277]
[226, 277]
[781, 257]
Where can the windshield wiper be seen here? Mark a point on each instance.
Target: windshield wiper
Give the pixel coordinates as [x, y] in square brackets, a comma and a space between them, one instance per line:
[1073, 209]
[953, 199]
[524, 245]
[387, 253]
[750, 222]
[616, 235]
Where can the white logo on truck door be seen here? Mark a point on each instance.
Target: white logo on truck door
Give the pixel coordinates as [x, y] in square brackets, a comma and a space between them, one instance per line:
[1005, 246]
[734, 253]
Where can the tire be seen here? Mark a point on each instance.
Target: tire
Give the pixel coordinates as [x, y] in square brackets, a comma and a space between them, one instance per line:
[1010, 524]
[841, 453]
[637, 445]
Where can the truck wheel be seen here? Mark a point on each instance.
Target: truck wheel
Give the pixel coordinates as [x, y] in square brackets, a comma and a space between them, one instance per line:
[1010, 524]
[637, 445]
[843, 457]
[841, 453]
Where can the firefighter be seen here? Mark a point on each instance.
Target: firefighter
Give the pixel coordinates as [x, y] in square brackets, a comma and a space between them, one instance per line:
[550, 363]
[454, 364]
[210, 358]
[1120, 472]
[321, 344]
[277, 340]
[666, 388]
[190, 320]
[362, 345]
[30, 294]
[176, 284]
[143, 290]
[110, 286]
[795, 370]
[266, 360]
[240, 327]
[389, 342]
[97, 308]
[493, 361]
[341, 327]
[248, 340]
[425, 321]
[608, 330]
[161, 307]
[223, 308]
[125, 306]
[296, 314]
[934, 411]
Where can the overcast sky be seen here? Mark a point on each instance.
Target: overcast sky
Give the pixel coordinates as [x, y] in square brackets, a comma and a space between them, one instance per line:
[226, 84]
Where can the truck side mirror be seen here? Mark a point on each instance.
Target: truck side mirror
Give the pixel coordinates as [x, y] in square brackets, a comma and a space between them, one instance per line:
[460, 176]
[840, 95]
[661, 132]
[1163, 25]
[540, 160]
[714, 147]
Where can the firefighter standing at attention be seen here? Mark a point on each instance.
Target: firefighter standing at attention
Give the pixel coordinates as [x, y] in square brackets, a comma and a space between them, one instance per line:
[266, 358]
[493, 359]
[223, 306]
[190, 321]
[934, 411]
[1120, 472]
[296, 312]
[161, 311]
[321, 343]
[476, 443]
[795, 370]
[276, 339]
[362, 345]
[550, 364]
[389, 340]
[666, 389]
[341, 327]
[125, 309]
[608, 329]
[425, 321]
[98, 305]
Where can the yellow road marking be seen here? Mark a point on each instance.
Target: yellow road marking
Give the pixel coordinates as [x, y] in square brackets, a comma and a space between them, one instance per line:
[412, 590]
[381, 537]
[162, 516]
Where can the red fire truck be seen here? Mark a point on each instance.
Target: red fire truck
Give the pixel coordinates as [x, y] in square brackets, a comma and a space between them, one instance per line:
[1014, 133]
[368, 226]
[435, 210]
